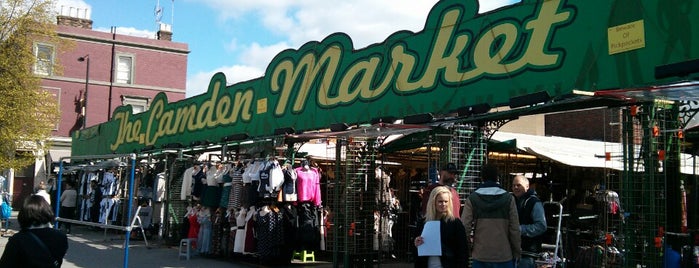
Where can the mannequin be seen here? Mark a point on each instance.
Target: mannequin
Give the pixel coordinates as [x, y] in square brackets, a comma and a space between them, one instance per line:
[289, 185]
[212, 192]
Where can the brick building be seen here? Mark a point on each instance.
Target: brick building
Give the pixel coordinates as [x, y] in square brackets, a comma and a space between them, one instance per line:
[96, 73]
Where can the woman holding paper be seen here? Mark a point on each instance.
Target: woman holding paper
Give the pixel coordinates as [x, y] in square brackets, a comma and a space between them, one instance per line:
[441, 230]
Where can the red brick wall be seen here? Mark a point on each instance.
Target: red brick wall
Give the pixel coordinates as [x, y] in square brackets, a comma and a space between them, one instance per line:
[159, 66]
[593, 124]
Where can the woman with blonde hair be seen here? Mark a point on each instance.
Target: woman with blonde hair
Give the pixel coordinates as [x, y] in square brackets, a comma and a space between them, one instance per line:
[452, 232]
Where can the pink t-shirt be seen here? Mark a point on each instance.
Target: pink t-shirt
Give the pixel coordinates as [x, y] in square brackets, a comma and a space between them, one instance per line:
[308, 185]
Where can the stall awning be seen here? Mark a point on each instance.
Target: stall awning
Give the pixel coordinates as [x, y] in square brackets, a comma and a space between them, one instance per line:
[683, 91]
[55, 155]
[579, 153]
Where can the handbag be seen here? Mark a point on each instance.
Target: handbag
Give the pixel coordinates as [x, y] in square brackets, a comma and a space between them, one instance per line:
[42, 246]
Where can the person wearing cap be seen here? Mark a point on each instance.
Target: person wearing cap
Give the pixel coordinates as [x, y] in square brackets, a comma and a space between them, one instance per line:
[447, 177]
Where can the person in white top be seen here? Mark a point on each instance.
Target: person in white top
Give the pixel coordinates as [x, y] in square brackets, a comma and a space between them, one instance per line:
[42, 192]
[69, 200]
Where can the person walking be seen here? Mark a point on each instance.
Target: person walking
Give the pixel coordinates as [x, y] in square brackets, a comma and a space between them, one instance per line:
[37, 244]
[41, 191]
[532, 222]
[490, 213]
[452, 232]
[68, 203]
[447, 177]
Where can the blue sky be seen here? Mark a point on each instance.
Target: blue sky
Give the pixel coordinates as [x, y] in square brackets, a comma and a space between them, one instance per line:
[240, 37]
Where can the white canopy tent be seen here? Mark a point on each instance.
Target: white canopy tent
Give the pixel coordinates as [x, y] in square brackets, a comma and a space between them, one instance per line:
[581, 153]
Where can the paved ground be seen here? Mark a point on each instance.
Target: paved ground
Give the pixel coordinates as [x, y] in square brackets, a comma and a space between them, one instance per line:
[94, 248]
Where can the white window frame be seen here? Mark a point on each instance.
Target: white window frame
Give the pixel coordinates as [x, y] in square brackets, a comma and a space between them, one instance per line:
[117, 70]
[136, 102]
[44, 66]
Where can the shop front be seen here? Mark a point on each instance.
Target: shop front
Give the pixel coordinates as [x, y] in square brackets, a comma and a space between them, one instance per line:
[391, 113]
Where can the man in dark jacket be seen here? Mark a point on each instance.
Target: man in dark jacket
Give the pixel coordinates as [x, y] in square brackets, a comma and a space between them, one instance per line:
[492, 212]
[532, 222]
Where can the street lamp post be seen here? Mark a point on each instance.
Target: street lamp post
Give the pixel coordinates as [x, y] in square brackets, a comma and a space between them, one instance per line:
[86, 59]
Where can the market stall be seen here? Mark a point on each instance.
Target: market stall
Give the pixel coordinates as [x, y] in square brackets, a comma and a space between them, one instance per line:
[456, 75]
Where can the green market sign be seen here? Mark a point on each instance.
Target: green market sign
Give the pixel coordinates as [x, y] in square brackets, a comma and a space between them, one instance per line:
[460, 58]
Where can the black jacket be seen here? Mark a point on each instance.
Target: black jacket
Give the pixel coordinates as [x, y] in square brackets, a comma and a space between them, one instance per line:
[525, 204]
[23, 251]
[455, 251]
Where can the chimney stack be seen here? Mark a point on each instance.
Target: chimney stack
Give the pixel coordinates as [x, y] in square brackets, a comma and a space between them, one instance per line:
[165, 32]
[74, 17]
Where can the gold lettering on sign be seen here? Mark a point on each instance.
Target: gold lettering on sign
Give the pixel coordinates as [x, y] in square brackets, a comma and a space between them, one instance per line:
[330, 78]
[448, 48]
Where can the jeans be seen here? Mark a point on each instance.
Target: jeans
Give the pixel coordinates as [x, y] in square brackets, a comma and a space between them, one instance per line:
[526, 262]
[480, 264]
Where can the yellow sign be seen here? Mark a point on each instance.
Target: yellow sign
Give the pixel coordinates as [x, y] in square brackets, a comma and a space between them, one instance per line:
[262, 106]
[626, 37]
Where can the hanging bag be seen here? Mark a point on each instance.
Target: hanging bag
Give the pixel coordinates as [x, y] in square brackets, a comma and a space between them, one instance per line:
[6, 211]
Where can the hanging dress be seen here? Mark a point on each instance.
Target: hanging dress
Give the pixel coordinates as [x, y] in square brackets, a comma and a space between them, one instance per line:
[250, 232]
[204, 238]
[226, 191]
[216, 233]
[239, 245]
[193, 233]
[231, 227]
[270, 236]
[234, 199]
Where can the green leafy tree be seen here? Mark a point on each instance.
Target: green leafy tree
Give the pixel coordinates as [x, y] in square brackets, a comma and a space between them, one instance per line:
[28, 113]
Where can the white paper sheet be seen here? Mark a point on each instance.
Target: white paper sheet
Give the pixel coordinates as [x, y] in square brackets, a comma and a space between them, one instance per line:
[433, 240]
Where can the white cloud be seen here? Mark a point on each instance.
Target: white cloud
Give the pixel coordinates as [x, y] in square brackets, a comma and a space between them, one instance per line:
[300, 21]
[488, 5]
[199, 83]
[366, 21]
[251, 64]
[260, 56]
[232, 45]
[130, 31]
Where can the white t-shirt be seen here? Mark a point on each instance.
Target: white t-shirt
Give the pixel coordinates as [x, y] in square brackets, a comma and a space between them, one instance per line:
[45, 195]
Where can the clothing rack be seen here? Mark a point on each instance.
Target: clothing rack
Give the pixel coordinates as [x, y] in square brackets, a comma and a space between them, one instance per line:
[127, 229]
